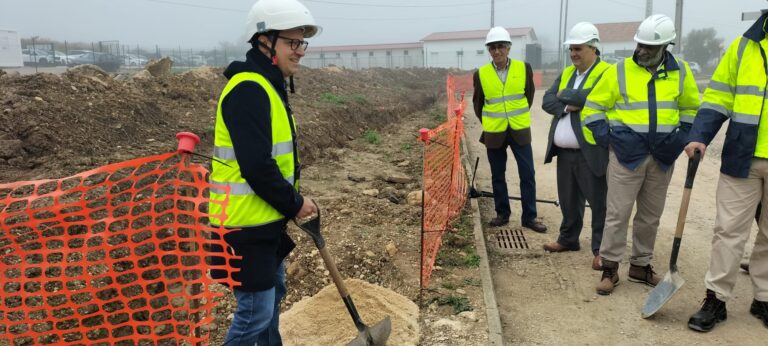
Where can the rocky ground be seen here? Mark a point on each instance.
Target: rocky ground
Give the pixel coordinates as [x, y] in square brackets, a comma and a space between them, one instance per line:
[358, 143]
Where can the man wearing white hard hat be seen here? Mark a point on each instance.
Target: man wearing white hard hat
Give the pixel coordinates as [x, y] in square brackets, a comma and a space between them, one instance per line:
[642, 110]
[255, 155]
[581, 166]
[502, 99]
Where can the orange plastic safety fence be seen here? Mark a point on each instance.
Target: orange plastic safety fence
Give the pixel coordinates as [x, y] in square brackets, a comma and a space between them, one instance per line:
[463, 83]
[118, 255]
[445, 184]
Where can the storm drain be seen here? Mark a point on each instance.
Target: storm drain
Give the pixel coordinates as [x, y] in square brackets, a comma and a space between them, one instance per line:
[511, 239]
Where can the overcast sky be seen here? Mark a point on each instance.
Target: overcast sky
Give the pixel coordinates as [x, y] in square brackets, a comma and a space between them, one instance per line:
[204, 23]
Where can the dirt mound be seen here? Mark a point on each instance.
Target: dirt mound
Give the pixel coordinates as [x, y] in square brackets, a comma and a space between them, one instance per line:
[323, 319]
[86, 118]
[159, 67]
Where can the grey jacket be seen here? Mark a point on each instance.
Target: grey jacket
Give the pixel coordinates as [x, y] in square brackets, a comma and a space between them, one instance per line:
[595, 155]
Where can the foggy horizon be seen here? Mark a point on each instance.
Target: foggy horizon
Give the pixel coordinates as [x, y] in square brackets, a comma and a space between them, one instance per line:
[204, 24]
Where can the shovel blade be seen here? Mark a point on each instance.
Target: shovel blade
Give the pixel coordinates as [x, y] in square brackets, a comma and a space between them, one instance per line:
[662, 292]
[373, 336]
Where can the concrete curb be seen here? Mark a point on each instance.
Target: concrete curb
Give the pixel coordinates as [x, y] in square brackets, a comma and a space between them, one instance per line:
[495, 336]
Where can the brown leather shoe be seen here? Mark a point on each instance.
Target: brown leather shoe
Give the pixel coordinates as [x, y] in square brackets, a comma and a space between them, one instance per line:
[610, 278]
[597, 264]
[535, 226]
[643, 275]
[556, 247]
[499, 221]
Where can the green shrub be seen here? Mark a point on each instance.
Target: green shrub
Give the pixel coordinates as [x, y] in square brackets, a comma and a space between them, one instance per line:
[331, 98]
[459, 304]
[372, 136]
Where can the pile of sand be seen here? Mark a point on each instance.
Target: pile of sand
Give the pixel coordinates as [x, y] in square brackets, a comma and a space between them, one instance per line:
[323, 319]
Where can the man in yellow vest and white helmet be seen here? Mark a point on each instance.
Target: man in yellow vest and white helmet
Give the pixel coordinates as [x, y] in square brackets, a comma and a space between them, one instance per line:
[737, 92]
[255, 155]
[580, 165]
[642, 109]
[502, 97]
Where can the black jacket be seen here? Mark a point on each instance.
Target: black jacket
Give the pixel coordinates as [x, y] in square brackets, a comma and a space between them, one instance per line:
[595, 155]
[246, 113]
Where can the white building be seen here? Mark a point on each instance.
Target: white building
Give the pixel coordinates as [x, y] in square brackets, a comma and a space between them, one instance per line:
[356, 57]
[10, 49]
[617, 39]
[466, 49]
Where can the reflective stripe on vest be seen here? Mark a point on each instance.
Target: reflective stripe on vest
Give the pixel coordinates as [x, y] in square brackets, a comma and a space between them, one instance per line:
[634, 109]
[594, 75]
[245, 207]
[505, 104]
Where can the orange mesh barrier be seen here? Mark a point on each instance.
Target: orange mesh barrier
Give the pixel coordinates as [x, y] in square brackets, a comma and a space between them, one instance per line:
[113, 256]
[463, 83]
[445, 184]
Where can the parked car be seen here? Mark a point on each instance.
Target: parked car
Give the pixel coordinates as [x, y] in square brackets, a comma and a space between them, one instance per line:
[134, 60]
[36, 56]
[695, 68]
[106, 61]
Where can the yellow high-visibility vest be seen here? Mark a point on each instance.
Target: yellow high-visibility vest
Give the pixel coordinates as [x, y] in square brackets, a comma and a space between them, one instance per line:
[594, 76]
[246, 208]
[621, 98]
[505, 104]
[737, 90]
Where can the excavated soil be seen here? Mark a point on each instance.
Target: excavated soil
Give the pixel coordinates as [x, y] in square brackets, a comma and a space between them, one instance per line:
[356, 129]
[330, 324]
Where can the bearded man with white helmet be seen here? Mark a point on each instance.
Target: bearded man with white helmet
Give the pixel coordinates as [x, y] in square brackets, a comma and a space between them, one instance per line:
[502, 98]
[642, 110]
[581, 166]
[255, 155]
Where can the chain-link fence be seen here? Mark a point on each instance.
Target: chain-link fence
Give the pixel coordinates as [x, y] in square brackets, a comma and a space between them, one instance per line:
[111, 55]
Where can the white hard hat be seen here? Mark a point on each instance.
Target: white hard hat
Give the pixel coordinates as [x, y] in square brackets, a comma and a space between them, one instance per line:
[267, 15]
[582, 33]
[497, 34]
[656, 30]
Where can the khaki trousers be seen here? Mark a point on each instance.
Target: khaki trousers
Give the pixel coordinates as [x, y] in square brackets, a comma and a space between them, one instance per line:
[737, 200]
[646, 185]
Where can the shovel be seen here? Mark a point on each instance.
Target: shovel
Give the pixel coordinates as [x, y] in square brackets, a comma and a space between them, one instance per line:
[367, 336]
[672, 280]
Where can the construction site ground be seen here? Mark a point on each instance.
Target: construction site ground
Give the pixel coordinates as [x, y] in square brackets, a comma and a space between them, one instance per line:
[361, 158]
[549, 298]
[361, 161]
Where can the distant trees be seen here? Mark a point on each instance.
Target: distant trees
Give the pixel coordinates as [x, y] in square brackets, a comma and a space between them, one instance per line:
[702, 46]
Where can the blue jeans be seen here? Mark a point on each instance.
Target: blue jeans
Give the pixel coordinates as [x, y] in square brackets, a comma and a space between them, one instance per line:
[256, 320]
[498, 160]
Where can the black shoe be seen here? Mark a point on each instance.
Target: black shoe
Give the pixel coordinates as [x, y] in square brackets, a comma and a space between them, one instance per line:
[499, 221]
[744, 267]
[535, 226]
[712, 312]
[760, 310]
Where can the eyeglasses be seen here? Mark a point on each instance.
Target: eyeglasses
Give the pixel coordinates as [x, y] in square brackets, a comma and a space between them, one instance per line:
[295, 44]
[497, 46]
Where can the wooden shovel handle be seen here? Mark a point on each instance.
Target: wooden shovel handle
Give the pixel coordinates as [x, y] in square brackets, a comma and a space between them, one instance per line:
[335, 275]
[693, 166]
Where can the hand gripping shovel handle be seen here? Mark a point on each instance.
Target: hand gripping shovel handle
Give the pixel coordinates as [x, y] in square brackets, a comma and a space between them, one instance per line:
[693, 165]
[373, 336]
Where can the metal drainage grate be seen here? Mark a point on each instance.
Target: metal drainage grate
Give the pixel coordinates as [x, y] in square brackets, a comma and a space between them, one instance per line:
[511, 239]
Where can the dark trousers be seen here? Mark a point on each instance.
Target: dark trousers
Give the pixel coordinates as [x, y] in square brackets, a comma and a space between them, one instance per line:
[575, 184]
[498, 160]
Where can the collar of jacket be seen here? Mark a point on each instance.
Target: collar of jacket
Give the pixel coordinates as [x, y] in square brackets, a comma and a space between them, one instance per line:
[758, 30]
[256, 61]
[670, 63]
